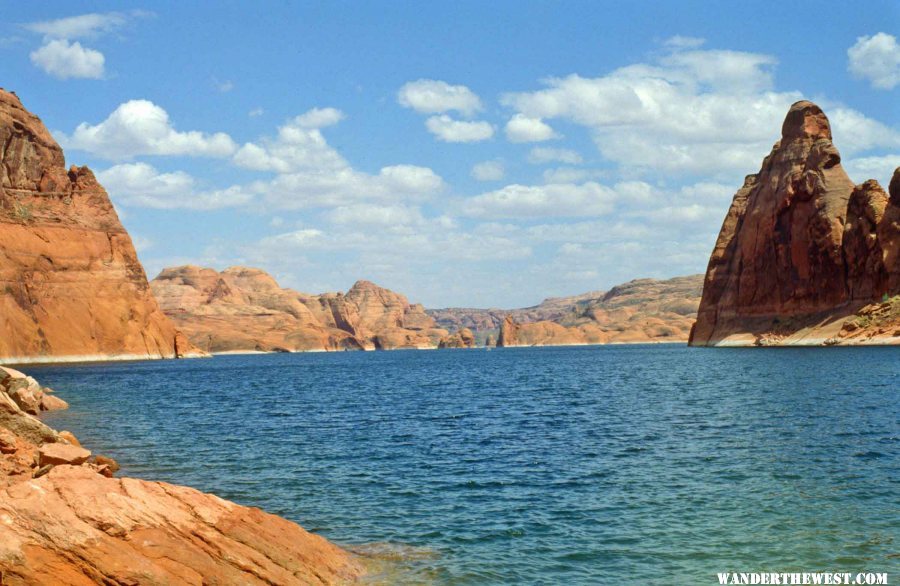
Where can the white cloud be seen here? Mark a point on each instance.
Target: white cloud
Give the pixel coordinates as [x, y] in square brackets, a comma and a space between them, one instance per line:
[140, 127]
[223, 86]
[83, 25]
[692, 111]
[310, 173]
[430, 96]
[375, 215]
[537, 201]
[61, 58]
[541, 155]
[64, 60]
[488, 171]
[682, 42]
[256, 112]
[447, 129]
[319, 118]
[853, 132]
[140, 184]
[877, 59]
[875, 167]
[521, 128]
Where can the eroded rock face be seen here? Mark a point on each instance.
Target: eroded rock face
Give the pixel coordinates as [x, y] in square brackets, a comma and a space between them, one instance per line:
[65, 520]
[243, 308]
[801, 247]
[462, 338]
[640, 311]
[71, 285]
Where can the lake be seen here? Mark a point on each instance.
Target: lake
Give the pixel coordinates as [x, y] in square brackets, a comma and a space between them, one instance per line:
[583, 465]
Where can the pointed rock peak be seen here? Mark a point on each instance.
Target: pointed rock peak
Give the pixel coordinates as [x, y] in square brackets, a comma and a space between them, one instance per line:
[363, 285]
[805, 120]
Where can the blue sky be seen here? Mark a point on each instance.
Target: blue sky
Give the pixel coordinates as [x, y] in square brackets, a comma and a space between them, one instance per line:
[465, 154]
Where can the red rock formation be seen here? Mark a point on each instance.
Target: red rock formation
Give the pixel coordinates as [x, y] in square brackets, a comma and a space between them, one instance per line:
[640, 311]
[64, 520]
[509, 333]
[71, 285]
[801, 247]
[243, 309]
[463, 338]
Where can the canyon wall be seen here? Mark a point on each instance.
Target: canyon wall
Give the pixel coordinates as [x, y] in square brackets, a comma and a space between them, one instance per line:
[244, 309]
[640, 311]
[71, 285]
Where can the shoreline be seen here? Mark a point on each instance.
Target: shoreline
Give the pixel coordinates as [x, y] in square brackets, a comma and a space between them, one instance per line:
[66, 518]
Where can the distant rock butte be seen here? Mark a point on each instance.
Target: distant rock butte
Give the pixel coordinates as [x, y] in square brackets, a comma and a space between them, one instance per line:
[640, 311]
[804, 256]
[463, 338]
[71, 286]
[65, 520]
[244, 309]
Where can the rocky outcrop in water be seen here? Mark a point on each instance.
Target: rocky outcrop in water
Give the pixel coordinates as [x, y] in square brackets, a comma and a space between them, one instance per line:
[802, 249]
[71, 286]
[640, 311]
[241, 309]
[65, 520]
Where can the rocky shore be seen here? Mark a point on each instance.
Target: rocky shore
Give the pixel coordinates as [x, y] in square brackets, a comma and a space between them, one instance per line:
[66, 519]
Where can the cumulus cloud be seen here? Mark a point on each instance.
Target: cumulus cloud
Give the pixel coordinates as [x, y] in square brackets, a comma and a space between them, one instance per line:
[310, 173]
[537, 201]
[64, 60]
[140, 184]
[447, 129]
[488, 171]
[876, 59]
[541, 155]
[522, 128]
[140, 127]
[692, 111]
[431, 96]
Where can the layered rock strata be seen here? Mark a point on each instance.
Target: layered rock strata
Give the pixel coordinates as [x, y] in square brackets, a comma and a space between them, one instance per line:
[640, 311]
[244, 309]
[71, 285]
[802, 249]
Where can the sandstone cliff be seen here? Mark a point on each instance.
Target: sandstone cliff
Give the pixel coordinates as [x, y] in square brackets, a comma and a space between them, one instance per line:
[241, 309]
[64, 519]
[640, 311]
[802, 249]
[71, 286]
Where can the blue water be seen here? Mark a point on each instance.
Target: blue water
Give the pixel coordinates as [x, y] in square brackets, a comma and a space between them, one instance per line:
[588, 465]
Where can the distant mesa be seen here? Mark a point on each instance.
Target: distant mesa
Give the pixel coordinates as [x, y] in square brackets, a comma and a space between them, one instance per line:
[804, 256]
[244, 309]
[640, 311]
[71, 286]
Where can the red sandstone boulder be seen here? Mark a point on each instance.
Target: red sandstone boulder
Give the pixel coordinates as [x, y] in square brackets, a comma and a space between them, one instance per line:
[60, 453]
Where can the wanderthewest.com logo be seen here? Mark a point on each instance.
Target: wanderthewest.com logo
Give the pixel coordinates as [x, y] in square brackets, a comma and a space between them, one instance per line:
[790, 578]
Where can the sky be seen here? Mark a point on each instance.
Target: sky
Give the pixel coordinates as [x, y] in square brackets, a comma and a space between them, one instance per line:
[480, 154]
